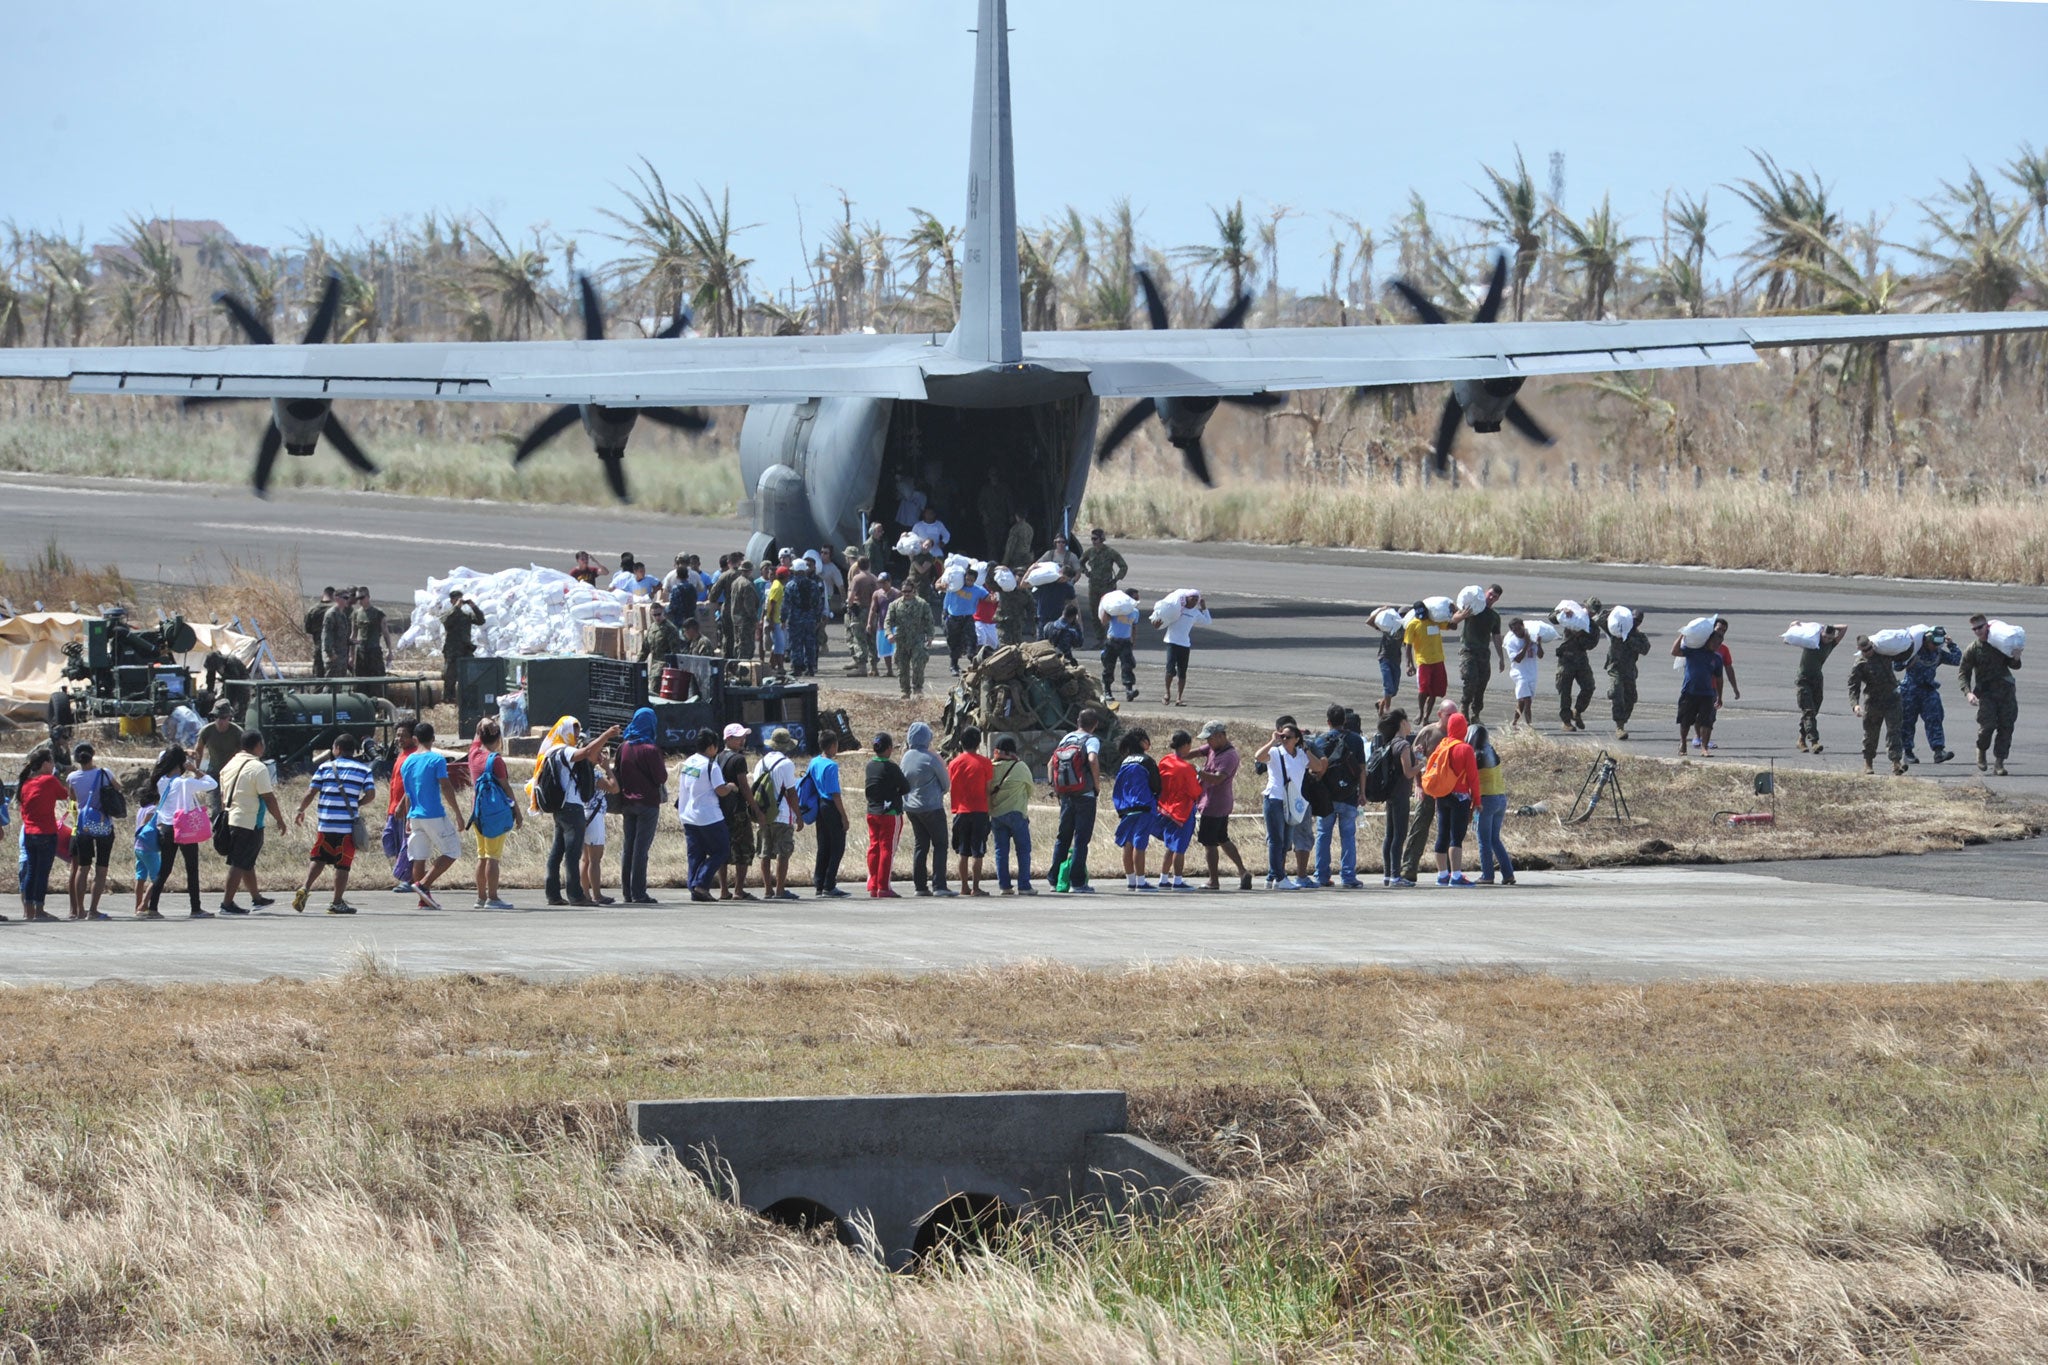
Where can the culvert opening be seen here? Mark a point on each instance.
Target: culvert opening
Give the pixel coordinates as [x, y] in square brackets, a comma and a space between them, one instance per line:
[808, 1216]
[966, 1222]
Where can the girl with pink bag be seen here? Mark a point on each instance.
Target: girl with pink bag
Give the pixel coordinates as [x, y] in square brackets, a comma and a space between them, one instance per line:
[182, 806]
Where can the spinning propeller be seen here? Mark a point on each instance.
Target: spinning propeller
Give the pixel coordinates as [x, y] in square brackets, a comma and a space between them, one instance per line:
[1482, 404]
[296, 424]
[1184, 418]
[610, 427]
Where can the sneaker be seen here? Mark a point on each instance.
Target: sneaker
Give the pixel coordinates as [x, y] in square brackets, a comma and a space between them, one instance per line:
[200, 914]
[945, 893]
[1817, 747]
[1308, 884]
[1507, 881]
[1088, 889]
[1324, 883]
[341, 908]
[1443, 879]
[1027, 891]
[97, 915]
[1943, 755]
[1144, 886]
[1402, 882]
[1386, 881]
[139, 914]
[299, 898]
[890, 896]
[261, 902]
[427, 901]
[1353, 885]
[1486, 880]
[497, 903]
[702, 897]
[403, 889]
[556, 902]
[1462, 880]
[1006, 891]
[834, 893]
[230, 908]
[785, 896]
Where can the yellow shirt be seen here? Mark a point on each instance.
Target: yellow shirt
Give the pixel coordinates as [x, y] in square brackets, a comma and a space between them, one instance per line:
[1493, 781]
[772, 611]
[1426, 638]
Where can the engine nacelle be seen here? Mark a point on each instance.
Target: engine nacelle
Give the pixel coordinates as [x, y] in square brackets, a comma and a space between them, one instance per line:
[1185, 418]
[810, 468]
[1486, 401]
[609, 428]
[300, 422]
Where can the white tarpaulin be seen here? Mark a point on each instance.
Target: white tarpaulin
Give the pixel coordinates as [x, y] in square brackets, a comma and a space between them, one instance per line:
[32, 654]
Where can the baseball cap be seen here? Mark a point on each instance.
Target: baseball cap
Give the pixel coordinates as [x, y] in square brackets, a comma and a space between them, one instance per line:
[1212, 729]
[737, 731]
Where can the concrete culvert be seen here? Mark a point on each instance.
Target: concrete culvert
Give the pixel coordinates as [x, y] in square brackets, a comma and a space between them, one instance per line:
[965, 1222]
[807, 1216]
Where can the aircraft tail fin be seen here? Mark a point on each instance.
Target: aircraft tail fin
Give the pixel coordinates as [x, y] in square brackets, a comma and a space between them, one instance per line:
[991, 327]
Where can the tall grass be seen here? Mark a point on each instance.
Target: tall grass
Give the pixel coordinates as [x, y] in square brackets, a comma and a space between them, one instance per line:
[1720, 525]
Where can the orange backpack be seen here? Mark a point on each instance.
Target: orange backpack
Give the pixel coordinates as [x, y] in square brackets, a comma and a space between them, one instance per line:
[1439, 778]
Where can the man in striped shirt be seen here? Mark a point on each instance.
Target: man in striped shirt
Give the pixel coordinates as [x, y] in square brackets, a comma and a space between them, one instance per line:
[340, 785]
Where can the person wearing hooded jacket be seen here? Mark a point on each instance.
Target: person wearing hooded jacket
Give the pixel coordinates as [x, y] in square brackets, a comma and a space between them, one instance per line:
[1454, 808]
[643, 783]
[924, 806]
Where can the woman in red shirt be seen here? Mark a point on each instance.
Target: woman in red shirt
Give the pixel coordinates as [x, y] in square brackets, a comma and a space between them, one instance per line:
[40, 791]
[1180, 787]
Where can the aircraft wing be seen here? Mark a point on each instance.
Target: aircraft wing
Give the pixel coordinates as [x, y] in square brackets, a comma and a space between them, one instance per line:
[1195, 363]
[688, 371]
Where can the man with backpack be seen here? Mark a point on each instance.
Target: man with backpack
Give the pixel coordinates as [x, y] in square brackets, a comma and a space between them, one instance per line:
[1342, 748]
[702, 788]
[339, 786]
[1075, 771]
[775, 783]
[824, 807]
[563, 785]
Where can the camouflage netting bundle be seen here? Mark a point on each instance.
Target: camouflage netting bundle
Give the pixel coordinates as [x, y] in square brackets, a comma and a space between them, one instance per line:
[1027, 690]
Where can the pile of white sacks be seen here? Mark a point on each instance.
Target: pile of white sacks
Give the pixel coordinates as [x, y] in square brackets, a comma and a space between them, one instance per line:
[526, 611]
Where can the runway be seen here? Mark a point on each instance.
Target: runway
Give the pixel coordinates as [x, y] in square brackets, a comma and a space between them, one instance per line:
[1290, 634]
[1630, 925]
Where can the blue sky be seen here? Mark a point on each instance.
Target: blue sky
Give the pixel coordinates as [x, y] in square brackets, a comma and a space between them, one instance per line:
[338, 116]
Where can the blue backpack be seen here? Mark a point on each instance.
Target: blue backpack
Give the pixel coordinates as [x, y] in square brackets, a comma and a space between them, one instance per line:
[1133, 790]
[492, 816]
[807, 797]
[148, 838]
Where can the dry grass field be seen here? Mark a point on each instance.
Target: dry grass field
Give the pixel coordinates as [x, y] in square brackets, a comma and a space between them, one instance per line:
[1673, 804]
[1417, 1168]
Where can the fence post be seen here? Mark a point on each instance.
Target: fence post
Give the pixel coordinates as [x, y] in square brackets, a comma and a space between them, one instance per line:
[1699, 477]
[1573, 470]
[1394, 462]
[1798, 481]
[1933, 481]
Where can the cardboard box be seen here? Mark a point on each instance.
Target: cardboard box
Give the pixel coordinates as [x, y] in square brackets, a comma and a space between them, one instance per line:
[604, 642]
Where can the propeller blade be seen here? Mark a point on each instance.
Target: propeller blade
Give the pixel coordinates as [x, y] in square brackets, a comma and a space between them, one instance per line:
[680, 323]
[1133, 418]
[593, 311]
[1489, 308]
[1255, 400]
[345, 445]
[551, 426]
[1155, 307]
[615, 475]
[1197, 460]
[324, 315]
[251, 325]
[1234, 318]
[1447, 433]
[1518, 417]
[681, 419]
[266, 457]
[1424, 309]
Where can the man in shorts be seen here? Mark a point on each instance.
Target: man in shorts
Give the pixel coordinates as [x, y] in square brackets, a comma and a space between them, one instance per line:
[967, 779]
[1423, 642]
[1216, 762]
[92, 839]
[249, 793]
[1699, 692]
[433, 815]
[340, 786]
[782, 816]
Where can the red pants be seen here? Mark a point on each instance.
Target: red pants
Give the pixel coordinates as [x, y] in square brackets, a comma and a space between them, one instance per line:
[882, 831]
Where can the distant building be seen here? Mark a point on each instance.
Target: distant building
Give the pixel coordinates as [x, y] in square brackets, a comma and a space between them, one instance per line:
[203, 247]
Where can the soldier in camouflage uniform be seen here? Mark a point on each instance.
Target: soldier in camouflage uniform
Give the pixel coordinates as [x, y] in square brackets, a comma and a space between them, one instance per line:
[1016, 615]
[1624, 657]
[1105, 569]
[1986, 679]
[663, 639]
[743, 613]
[695, 641]
[1575, 668]
[909, 623]
[1874, 693]
[337, 630]
[370, 626]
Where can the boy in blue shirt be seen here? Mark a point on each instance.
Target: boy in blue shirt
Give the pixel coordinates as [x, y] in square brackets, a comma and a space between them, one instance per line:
[1699, 692]
[1136, 794]
[435, 819]
[960, 605]
[830, 818]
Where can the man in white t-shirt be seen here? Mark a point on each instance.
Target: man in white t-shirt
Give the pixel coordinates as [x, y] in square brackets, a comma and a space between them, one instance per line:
[1179, 643]
[699, 787]
[931, 532]
[778, 830]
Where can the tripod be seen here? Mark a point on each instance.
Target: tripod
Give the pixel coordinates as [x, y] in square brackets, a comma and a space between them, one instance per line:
[1602, 777]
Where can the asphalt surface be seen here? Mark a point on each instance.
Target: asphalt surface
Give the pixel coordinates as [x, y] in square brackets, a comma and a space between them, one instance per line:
[1290, 635]
[1629, 925]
